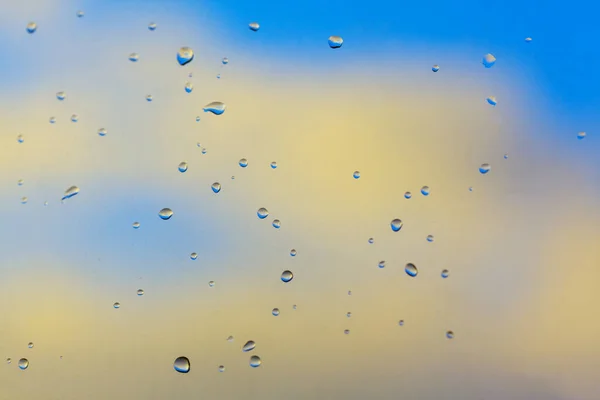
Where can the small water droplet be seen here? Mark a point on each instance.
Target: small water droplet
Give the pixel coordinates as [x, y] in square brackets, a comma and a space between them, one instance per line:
[152, 26]
[335, 42]
[117, 305]
[506, 156]
[287, 276]
[165, 213]
[80, 14]
[349, 292]
[276, 224]
[528, 39]
[134, 57]
[262, 213]
[371, 240]
[274, 164]
[488, 60]
[183, 166]
[203, 150]
[243, 163]
[30, 345]
[293, 252]
[218, 76]
[275, 312]
[230, 339]
[356, 174]
[470, 188]
[211, 283]
[216, 187]
[52, 120]
[225, 60]
[430, 238]
[20, 138]
[232, 177]
[194, 256]
[185, 55]
[255, 361]
[348, 314]
[8, 360]
[31, 27]
[136, 225]
[435, 68]
[411, 269]
[102, 132]
[450, 335]
[581, 135]
[216, 107]
[24, 200]
[221, 368]
[396, 224]
[70, 192]
[23, 363]
[189, 87]
[198, 120]
[254, 26]
[294, 306]
[492, 100]
[346, 331]
[485, 168]
[149, 98]
[401, 322]
[445, 273]
[45, 203]
[248, 346]
[407, 195]
[61, 96]
[74, 118]
[381, 264]
[182, 365]
[140, 292]
[20, 182]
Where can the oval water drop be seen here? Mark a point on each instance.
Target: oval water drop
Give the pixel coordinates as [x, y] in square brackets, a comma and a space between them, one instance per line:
[273, 164]
[445, 273]
[371, 240]
[30, 345]
[381, 264]
[293, 252]
[74, 118]
[492, 100]
[430, 238]
[80, 14]
[152, 26]
[248, 346]
[182, 365]
[356, 174]
[276, 224]
[134, 57]
[140, 292]
[136, 225]
[24, 200]
[20, 138]
[254, 26]
[435, 68]
[61, 96]
[194, 256]
[102, 132]
[221, 368]
[225, 60]
[581, 135]
[335, 42]
[165, 213]
[425, 191]
[411, 269]
[117, 305]
[149, 98]
[450, 335]
[407, 195]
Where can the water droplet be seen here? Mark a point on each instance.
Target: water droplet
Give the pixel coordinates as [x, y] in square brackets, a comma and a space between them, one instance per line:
[61, 96]
[194, 256]
[528, 39]
[348, 314]
[485, 168]
[23, 363]
[216, 187]
[24, 200]
[136, 225]
[8, 360]
[20, 182]
[275, 312]
[221, 368]
[183, 166]
[20, 139]
[435, 68]
[407, 195]
[254, 26]
[218, 76]
[185, 55]
[401, 322]
[492, 100]
[52, 120]
[371, 240]
[203, 150]
[225, 60]
[287, 276]
[45, 203]
[430, 238]
[232, 177]
[80, 14]
[198, 120]
[117, 305]
[335, 42]
[149, 98]
[165, 213]
[581, 135]
[276, 224]
[488, 60]
[356, 174]
[189, 87]
[470, 188]
[349, 292]
[506, 156]
[216, 107]
[411, 269]
[102, 132]
[255, 361]
[294, 306]
[211, 283]
[346, 331]
[396, 224]
[249, 346]
[30, 345]
[293, 252]
[74, 118]
[450, 335]
[152, 26]
[243, 163]
[182, 365]
[445, 273]
[381, 264]
[230, 339]
[140, 292]
[274, 164]
[70, 192]
[425, 191]
[134, 57]
[262, 213]
[31, 27]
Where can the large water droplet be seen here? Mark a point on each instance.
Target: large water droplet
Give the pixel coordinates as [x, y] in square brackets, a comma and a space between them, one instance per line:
[581, 135]
[194, 256]
[381, 264]
[70, 192]
[117, 305]
[183, 166]
[165, 213]
[276, 224]
[134, 57]
[31, 27]
[152, 26]
[74, 118]
[255, 361]
[185, 55]
[262, 213]
[411, 269]
[293, 252]
[485, 168]
[275, 312]
[435, 68]
[80, 14]
[140, 292]
[396, 224]
[182, 365]
[225, 60]
[254, 26]
[216, 107]
[450, 335]
[488, 60]
[273, 164]
[356, 174]
[30, 345]
[102, 132]
[216, 187]
[20, 138]
[335, 42]
[445, 273]
[425, 191]
[249, 346]
[492, 100]
[287, 276]
[243, 163]
[23, 363]
[136, 225]
[189, 87]
[61, 96]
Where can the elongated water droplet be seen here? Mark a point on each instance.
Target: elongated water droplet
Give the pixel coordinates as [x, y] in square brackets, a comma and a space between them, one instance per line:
[293, 252]
[528, 39]
[117, 305]
[20, 138]
[450, 335]
[189, 87]
[581, 135]
[275, 312]
[425, 191]
[485, 168]
[216, 187]
[492, 100]
[287, 276]
[243, 163]
[396, 224]
[335, 42]
[248, 346]
[152, 26]
[70, 192]
[435, 68]
[31, 27]
[102, 132]
[381, 264]
[140, 292]
[74, 118]
[23, 363]
[165, 213]
[185, 55]
[407, 195]
[430, 238]
[411, 269]
[254, 26]
[30, 345]
[488, 60]
[136, 225]
[182, 365]
[262, 213]
[61, 96]
[216, 107]
[134, 57]
[356, 174]
[445, 273]
[225, 60]
[183, 166]
[194, 256]
[276, 224]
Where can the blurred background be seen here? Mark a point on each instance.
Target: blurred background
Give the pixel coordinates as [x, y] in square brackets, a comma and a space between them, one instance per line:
[521, 243]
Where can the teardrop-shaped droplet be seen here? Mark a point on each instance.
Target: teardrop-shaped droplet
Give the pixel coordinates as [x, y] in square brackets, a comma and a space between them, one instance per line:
[254, 26]
[396, 224]
[134, 57]
[102, 132]
[435, 68]
[492, 100]
[61, 96]
[287, 276]
[152, 26]
[185, 55]
[225, 60]
[425, 191]
[273, 164]
[335, 42]
[70, 192]
[165, 213]
[255, 361]
[189, 87]
[488, 60]
[356, 174]
[262, 213]
[31, 27]
[140, 292]
[248, 346]
[117, 305]
[430, 238]
[194, 256]
[243, 163]
[407, 195]
[216, 107]
[450, 335]
[23, 363]
[20, 138]
[136, 225]
[216, 187]
[581, 135]
[293, 252]
[183, 166]
[485, 168]
[74, 118]
[445, 273]
[381, 264]
[275, 312]
[182, 365]
[411, 269]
